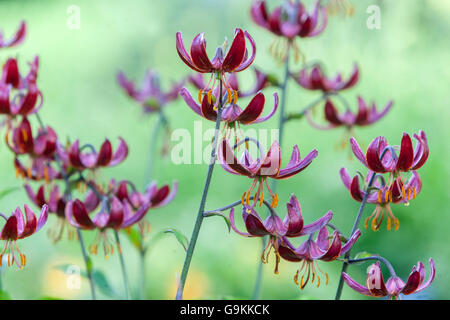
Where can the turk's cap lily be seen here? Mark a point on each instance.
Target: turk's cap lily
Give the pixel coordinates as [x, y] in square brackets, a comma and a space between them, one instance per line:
[232, 112]
[407, 159]
[16, 39]
[39, 169]
[317, 80]
[236, 59]
[363, 117]
[376, 287]
[92, 159]
[119, 215]
[154, 196]
[269, 166]
[323, 248]
[18, 227]
[381, 195]
[149, 95]
[291, 226]
[57, 201]
[291, 19]
[22, 140]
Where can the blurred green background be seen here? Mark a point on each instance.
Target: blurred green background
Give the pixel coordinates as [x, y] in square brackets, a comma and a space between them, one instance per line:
[406, 60]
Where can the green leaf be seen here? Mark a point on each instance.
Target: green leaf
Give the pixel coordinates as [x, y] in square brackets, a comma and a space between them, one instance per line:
[4, 295]
[180, 237]
[7, 191]
[220, 214]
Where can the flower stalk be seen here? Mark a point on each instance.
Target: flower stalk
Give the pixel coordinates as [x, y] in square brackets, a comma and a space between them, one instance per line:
[199, 219]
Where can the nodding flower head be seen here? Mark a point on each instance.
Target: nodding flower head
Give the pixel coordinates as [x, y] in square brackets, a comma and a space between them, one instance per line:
[57, 204]
[236, 59]
[16, 39]
[17, 227]
[290, 20]
[233, 115]
[150, 95]
[113, 214]
[26, 97]
[315, 79]
[262, 168]
[363, 117]
[383, 158]
[382, 196]
[81, 160]
[323, 248]
[275, 228]
[22, 141]
[376, 287]
[37, 169]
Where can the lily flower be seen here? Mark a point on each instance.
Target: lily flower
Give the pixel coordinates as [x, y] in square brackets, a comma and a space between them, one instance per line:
[290, 20]
[262, 168]
[232, 114]
[317, 80]
[22, 142]
[312, 250]
[376, 287]
[40, 168]
[17, 227]
[93, 159]
[275, 228]
[57, 204]
[382, 197]
[114, 214]
[363, 117]
[150, 95]
[235, 60]
[16, 39]
[382, 158]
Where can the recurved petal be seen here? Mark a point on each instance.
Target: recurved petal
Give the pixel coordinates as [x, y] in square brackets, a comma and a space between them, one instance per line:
[253, 223]
[268, 116]
[198, 54]
[31, 222]
[295, 168]
[373, 155]
[412, 283]
[375, 282]
[422, 151]
[116, 214]
[120, 154]
[258, 13]
[349, 244]
[355, 285]
[270, 166]
[430, 279]
[136, 217]
[345, 177]
[183, 53]
[229, 161]
[168, 197]
[185, 94]
[357, 151]
[247, 61]
[355, 189]
[334, 250]
[233, 225]
[10, 230]
[104, 156]
[320, 223]
[207, 109]
[236, 53]
[17, 38]
[293, 220]
[406, 156]
[253, 110]
[331, 113]
[78, 216]
[74, 155]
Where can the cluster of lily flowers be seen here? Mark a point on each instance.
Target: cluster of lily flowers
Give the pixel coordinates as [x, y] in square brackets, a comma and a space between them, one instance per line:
[392, 176]
[41, 158]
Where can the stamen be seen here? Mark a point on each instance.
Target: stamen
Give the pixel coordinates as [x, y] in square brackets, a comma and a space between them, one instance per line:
[229, 95]
[403, 192]
[235, 97]
[200, 94]
[25, 135]
[379, 196]
[243, 198]
[388, 224]
[209, 96]
[414, 193]
[386, 196]
[261, 199]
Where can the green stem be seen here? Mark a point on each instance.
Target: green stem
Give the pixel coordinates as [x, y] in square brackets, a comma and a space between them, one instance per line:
[122, 265]
[199, 220]
[258, 282]
[161, 120]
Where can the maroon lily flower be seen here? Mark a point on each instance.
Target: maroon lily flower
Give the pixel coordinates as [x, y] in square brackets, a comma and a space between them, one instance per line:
[57, 204]
[150, 95]
[376, 287]
[39, 169]
[114, 214]
[232, 113]
[317, 80]
[235, 60]
[17, 227]
[275, 228]
[382, 158]
[93, 159]
[364, 117]
[262, 168]
[310, 251]
[382, 197]
[22, 142]
[16, 39]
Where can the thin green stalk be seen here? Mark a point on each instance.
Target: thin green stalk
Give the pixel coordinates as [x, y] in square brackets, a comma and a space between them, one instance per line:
[199, 220]
[68, 193]
[258, 282]
[122, 265]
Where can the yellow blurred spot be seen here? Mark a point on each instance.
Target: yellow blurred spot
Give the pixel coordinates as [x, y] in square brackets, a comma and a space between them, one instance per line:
[197, 286]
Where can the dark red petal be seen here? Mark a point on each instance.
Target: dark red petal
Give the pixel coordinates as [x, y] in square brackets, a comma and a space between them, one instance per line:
[29, 101]
[81, 215]
[160, 195]
[31, 224]
[9, 231]
[199, 55]
[413, 283]
[363, 112]
[236, 54]
[406, 156]
[375, 282]
[11, 73]
[227, 155]
[105, 154]
[331, 113]
[355, 189]
[373, 156]
[420, 157]
[255, 226]
[207, 109]
[183, 53]
[74, 155]
[253, 110]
